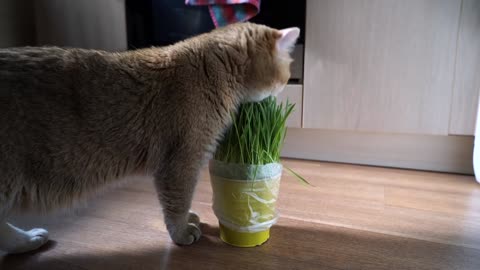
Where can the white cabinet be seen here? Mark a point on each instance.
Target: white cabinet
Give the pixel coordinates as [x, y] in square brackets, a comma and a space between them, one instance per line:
[389, 83]
[467, 71]
[294, 94]
[380, 65]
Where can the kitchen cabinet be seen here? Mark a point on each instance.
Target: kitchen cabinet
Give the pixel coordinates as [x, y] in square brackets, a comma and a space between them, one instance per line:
[390, 83]
[467, 71]
[380, 65]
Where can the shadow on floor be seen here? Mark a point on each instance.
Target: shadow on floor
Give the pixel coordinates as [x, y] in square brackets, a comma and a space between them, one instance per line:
[323, 247]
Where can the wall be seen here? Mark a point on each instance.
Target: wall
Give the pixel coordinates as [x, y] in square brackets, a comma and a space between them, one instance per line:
[17, 24]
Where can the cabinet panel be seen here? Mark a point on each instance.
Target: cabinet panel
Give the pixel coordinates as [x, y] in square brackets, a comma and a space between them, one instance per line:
[294, 94]
[467, 71]
[412, 151]
[380, 65]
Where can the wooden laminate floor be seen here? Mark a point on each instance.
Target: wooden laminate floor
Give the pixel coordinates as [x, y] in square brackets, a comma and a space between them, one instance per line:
[355, 217]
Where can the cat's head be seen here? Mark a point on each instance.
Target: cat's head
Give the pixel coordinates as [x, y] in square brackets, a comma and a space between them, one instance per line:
[263, 55]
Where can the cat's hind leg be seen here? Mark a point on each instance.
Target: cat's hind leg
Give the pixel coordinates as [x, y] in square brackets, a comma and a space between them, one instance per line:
[15, 240]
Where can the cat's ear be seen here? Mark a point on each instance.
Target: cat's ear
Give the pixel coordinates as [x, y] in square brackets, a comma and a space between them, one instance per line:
[288, 37]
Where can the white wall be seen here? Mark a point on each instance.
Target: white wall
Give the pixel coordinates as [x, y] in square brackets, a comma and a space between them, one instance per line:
[91, 24]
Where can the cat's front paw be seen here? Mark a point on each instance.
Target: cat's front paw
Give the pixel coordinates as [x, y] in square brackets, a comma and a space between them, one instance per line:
[193, 218]
[186, 235]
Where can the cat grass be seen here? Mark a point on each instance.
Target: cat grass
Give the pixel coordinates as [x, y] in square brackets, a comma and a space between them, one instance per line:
[257, 134]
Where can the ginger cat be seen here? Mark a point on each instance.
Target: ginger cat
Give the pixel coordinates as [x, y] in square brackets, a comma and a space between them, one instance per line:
[73, 121]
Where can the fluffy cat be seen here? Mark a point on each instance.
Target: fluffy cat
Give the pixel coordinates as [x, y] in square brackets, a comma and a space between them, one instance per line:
[73, 121]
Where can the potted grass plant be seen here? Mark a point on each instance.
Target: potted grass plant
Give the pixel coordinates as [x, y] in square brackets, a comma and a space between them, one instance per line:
[246, 171]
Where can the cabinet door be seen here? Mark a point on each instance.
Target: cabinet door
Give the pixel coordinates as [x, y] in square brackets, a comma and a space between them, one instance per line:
[380, 65]
[467, 71]
[293, 93]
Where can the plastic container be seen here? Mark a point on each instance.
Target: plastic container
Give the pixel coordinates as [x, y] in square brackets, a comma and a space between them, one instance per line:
[244, 201]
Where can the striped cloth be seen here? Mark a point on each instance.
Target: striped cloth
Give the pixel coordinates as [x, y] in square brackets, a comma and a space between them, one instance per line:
[224, 12]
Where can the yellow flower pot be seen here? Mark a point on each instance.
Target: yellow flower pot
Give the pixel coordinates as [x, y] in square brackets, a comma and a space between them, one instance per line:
[244, 199]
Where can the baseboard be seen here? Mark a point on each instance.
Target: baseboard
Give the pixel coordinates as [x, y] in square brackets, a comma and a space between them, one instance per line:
[422, 152]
